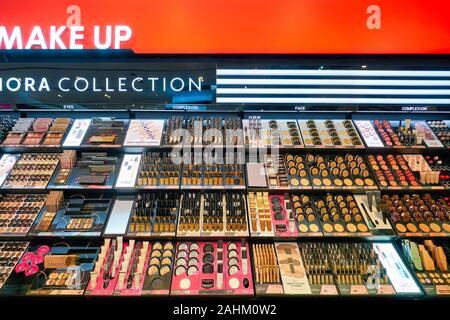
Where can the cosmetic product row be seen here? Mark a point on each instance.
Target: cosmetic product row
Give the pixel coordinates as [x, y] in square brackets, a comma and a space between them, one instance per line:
[287, 171]
[35, 132]
[429, 261]
[212, 214]
[212, 268]
[130, 267]
[418, 214]
[354, 268]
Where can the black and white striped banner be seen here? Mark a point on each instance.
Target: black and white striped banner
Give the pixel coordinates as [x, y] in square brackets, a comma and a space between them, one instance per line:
[333, 86]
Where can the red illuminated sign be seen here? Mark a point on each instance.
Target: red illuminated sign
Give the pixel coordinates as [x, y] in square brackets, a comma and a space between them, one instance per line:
[231, 26]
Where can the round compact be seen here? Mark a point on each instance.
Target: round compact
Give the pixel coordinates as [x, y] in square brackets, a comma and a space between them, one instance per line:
[152, 270]
[178, 270]
[168, 246]
[232, 245]
[156, 253]
[192, 262]
[193, 254]
[164, 270]
[207, 268]
[303, 228]
[182, 254]
[154, 261]
[180, 262]
[233, 261]
[193, 246]
[157, 246]
[183, 246]
[192, 270]
[233, 270]
[167, 253]
[232, 253]
[208, 258]
[166, 261]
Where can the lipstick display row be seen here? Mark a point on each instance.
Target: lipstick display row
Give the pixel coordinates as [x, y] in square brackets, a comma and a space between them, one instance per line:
[154, 214]
[212, 214]
[203, 131]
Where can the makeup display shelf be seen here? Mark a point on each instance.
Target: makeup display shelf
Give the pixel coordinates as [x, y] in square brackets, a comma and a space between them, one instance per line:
[305, 205]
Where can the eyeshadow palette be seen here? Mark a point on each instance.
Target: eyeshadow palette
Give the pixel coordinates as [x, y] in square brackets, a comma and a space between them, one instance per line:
[32, 171]
[429, 261]
[53, 269]
[158, 170]
[347, 171]
[260, 133]
[418, 215]
[18, 212]
[10, 254]
[144, 132]
[92, 170]
[212, 214]
[74, 216]
[154, 214]
[212, 268]
[6, 124]
[105, 133]
[287, 171]
[330, 134]
[30, 132]
[442, 130]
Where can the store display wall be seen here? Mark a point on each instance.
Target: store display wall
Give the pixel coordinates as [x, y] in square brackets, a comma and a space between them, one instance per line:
[301, 200]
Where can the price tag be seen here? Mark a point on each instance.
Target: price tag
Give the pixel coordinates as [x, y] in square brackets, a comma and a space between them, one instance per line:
[386, 289]
[328, 290]
[443, 289]
[358, 290]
